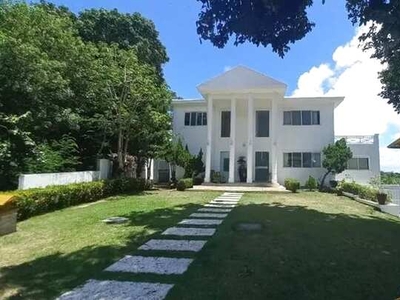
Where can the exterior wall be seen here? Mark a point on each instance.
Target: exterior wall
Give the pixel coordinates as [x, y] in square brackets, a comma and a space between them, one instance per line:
[194, 136]
[304, 138]
[370, 150]
[288, 138]
[30, 181]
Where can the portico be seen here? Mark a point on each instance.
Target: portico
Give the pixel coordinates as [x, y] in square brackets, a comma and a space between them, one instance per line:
[246, 101]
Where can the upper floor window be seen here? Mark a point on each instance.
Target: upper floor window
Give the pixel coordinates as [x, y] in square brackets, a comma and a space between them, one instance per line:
[262, 123]
[225, 123]
[301, 117]
[195, 119]
[358, 163]
[302, 160]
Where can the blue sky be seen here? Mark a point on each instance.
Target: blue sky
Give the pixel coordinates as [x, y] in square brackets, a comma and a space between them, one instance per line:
[327, 61]
[192, 62]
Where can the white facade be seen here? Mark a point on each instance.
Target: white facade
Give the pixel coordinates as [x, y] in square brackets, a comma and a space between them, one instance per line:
[259, 128]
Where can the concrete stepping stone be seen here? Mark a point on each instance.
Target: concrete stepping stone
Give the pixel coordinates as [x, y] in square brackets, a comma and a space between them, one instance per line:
[201, 222]
[155, 265]
[121, 290]
[219, 205]
[208, 215]
[174, 245]
[224, 200]
[185, 231]
[215, 210]
[223, 203]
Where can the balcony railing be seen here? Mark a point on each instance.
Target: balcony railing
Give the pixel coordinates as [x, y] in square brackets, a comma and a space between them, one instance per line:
[356, 139]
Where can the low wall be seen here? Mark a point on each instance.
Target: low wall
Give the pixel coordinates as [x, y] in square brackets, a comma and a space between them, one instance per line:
[30, 181]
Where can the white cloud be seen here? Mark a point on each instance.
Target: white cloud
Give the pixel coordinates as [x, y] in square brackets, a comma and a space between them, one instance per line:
[227, 68]
[354, 75]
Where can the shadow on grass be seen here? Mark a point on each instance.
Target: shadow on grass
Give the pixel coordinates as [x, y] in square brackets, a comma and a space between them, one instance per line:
[48, 276]
[299, 254]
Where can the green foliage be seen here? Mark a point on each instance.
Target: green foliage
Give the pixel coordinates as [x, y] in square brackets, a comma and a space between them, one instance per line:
[389, 178]
[335, 158]
[311, 183]
[364, 192]
[198, 180]
[38, 201]
[16, 145]
[216, 177]
[183, 184]
[175, 154]
[194, 166]
[292, 184]
[58, 69]
[56, 156]
[128, 31]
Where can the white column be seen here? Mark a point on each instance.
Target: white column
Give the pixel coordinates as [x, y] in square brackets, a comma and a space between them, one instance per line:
[274, 141]
[232, 142]
[209, 138]
[250, 138]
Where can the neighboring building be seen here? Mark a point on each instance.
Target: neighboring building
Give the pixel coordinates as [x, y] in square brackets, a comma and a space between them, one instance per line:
[246, 114]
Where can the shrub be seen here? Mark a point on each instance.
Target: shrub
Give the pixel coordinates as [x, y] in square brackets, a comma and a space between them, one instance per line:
[292, 185]
[216, 177]
[198, 180]
[184, 184]
[362, 191]
[181, 186]
[311, 183]
[38, 201]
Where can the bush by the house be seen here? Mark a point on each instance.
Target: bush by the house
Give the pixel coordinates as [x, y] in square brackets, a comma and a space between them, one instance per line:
[184, 184]
[292, 185]
[38, 201]
[311, 183]
[198, 180]
[364, 192]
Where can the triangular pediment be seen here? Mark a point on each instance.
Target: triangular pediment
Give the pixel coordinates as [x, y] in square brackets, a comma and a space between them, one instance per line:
[240, 79]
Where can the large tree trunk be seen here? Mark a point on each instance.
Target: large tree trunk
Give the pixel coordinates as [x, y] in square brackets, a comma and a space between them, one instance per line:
[323, 180]
[148, 166]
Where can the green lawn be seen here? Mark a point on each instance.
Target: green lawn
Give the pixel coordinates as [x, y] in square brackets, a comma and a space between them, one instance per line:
[312, 246]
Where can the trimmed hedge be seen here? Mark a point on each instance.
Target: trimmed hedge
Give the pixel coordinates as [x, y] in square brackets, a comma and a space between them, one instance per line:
[311, 183]
[38, 201]
[184, 184]
[364, 192]
[292, 184]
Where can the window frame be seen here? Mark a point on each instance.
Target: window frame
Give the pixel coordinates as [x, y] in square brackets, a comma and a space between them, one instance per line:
[315, 117]
[195, 118]
[357, 158]
[259, 112]
[288, 160]
[225, 132]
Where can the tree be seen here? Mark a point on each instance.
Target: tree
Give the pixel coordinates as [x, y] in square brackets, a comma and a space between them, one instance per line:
[175, 154]
[128, 31]
[335, 158]
[281, 23]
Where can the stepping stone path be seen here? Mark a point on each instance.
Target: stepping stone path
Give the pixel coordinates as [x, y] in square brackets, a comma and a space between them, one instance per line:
[182, 231]
[211, 215]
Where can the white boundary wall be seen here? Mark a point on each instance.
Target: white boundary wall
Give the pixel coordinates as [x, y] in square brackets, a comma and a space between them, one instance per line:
[29, 181]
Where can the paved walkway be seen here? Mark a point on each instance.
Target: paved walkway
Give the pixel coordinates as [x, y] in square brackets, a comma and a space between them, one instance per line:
[201, 224]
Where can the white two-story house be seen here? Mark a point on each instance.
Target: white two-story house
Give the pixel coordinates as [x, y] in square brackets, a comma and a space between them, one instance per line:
[245, 114]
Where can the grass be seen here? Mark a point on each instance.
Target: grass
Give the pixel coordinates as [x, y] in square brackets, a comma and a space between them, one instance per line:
[312, 246]
[55, 252]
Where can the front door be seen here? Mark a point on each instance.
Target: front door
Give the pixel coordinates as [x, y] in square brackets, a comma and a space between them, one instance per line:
[262, 167]
[224, 166]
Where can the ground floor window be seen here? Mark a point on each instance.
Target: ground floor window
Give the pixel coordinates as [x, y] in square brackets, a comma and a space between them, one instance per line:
[302, 160]
[358, 163]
